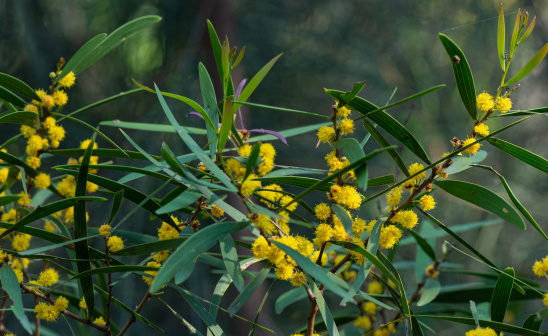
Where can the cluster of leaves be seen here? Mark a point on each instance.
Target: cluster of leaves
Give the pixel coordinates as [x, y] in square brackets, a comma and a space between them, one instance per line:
[347, 258]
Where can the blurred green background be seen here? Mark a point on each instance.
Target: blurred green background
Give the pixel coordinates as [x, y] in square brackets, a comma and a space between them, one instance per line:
[326, 44]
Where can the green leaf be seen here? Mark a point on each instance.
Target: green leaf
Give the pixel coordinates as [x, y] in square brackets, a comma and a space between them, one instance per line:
[93, 129]
[46, 210]
[231, 261]
[431, 290]
[530, 66]
[114, 269]
[483, 198]
[353, 152]
[101, 152]
[249, 290]
[81, 231]
[343, 216]
[515, 32]
[150, 127]
[255, 81]
[18, 86]
[116, 202]
[131, 194]
[210, 105]
[317, 272]
[501, 38]
[528, 31]
[522, 154]
[461, 162]
[289, 297]
[12, 98]
[252, 331]
[252, 159]
[463, 75]
[324, 309]
[534, 321]
[474, 311]
[194, 146]
[281, 109]
[497, 326]
[188, 197]
[348, 96]
[8, 199]
[216, 45]
[113, 40]
[226, 123]
[188, 101]
[198, 243]
[516, 202]
[81, 55]
[501, 294]
[148, 248]
[53, 246]
[386, 122]
[200, 310]
[11, 285]
[423, 244]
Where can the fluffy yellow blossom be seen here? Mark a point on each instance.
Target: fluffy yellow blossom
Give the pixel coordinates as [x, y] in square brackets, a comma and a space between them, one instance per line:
[266, 166]
[48, 226]
[83, 304]
[148, 280]
[61, 304]
[100, 321]
[541, 267]
[104, 230]
[298, 280]
[216, 211]
[358, 227]
[323, 211]
[375, 287]
[472, 149]
[260, 248]
[85, 144]
[167, 231]
[286, 199]
[271, 193]
[431, 272]
[314, 257]
[323, 234]
[69, 215]
[67, 186]
[481, 332]
[370, 308]
[504, 104]
[245, 150]
[31, 108]
[48, 102]
[415, 168]
[41, 93]
[347, 126]
[343, 112]
[545, 300]
[46, 312]
[27, 131]
[346, 195]
[48, 277]
[363, 322]
[4, 172]
[115, 243]
[60, 98]
[68, 80]
[42, 181]
[333, 161]
[267, 151]
[427, 202]
[407, 218]
[56, 134]
[10, 216]
[263, 222]
[34, 162]
[390, 235]
[284, 271]
[326, 133]
[24, 201]
[484, 101]
[161, 256]
[393, 197]
[481, 129]
[18, 274]
[235, 168]
[49, 122]
[34, 144]
[249, 185]
[91, 187]
[202, 166]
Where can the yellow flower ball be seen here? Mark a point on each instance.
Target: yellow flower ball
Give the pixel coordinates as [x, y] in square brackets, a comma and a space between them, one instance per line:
[115, 243]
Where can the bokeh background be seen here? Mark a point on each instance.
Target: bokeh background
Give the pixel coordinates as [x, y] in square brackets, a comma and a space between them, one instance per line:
[390, 44]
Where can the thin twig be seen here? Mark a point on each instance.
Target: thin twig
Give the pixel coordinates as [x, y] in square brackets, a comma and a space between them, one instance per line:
[132, 318]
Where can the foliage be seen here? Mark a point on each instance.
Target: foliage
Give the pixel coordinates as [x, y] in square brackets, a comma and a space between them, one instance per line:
[228, 192]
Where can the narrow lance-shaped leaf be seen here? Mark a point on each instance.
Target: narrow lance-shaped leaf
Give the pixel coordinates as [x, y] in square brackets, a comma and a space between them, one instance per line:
[381, 140]
[323, 308]
[226, 123]
[516, 202]
[431, 289]
[501, 38]
[18, 86]
[348, 96]
[522, 154]
[11, 285]
[201, 311]
[515, 33]
[19, 117]
[528, 31]
[198, 243]
[353, 152]
[230, 258]
[216, 45]
[251, 288]
[483, 198]
[116, 203]
[501, 294]
[463, 75]
[530, 66]
[12, 98]
[210, 105]
[80, 231]
[81, 55]
[252, 159]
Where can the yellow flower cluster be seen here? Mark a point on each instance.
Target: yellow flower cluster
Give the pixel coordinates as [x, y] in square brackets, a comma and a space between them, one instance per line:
[346, 195]
[484, 102]
[431, 272]
[390, 234]
[266, 151]
[541, 267]
[48, 277]
[48, 312]
[427, 202]
[149, 280]
[481, 332]
[115, 243]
